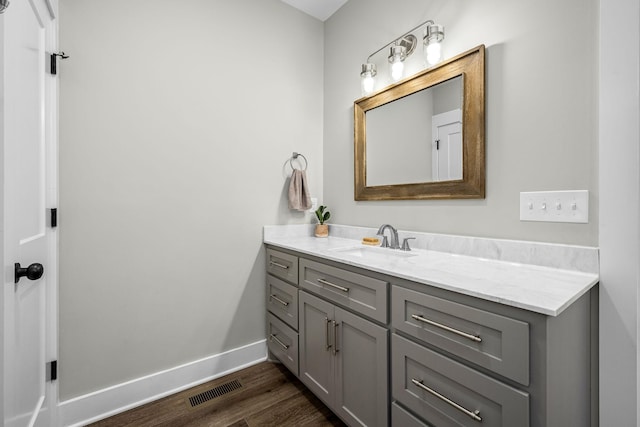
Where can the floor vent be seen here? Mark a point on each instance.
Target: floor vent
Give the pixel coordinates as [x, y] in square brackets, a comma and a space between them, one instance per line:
[218, 391]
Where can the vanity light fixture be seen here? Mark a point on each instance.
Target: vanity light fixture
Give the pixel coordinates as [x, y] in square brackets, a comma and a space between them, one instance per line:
[4, 4]
[400, 49]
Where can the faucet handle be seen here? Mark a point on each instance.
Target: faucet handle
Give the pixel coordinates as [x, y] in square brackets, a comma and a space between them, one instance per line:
[405, 243]
[385, 241]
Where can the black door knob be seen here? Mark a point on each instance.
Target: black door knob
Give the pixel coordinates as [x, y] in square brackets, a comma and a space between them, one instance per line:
[33, 272]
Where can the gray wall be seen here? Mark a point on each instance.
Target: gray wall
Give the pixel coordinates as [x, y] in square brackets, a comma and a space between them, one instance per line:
[176, 121]
[541, 110]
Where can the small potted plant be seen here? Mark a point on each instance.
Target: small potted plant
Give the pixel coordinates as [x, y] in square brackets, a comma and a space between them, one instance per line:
[323, 215]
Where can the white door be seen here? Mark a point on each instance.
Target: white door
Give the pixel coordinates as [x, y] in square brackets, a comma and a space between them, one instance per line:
[28, 127]
[447, 146]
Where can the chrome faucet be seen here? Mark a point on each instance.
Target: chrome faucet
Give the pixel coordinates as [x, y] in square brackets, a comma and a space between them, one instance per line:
[394, 237]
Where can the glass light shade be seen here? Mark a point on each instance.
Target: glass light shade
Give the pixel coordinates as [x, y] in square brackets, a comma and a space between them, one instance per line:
[433, 53]
[367, 84]
[367, 80]
[434, 35]
[396, 61]
[397, 69]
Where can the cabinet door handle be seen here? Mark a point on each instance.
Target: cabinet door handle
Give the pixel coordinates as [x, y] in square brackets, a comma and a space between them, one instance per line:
[475, 414]
[275, 338]
[277, 264]
[333, 285]
[419, 318]
[273, 297]
[335, 337]
[327, 322]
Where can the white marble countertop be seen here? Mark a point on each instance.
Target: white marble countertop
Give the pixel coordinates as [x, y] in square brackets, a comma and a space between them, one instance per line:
[537, 288]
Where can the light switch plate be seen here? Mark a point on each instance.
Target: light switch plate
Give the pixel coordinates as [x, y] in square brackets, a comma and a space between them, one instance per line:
[555, 206]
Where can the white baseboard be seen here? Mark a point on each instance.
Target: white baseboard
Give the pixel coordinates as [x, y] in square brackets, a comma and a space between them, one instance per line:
[104, 403]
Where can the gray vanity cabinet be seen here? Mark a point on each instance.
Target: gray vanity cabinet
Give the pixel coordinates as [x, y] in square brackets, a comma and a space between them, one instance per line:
[384, 351]
[461, 361]
[344, 361]
[282, 308]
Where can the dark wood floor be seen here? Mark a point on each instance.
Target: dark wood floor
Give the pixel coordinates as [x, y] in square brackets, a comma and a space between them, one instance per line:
[269, 396]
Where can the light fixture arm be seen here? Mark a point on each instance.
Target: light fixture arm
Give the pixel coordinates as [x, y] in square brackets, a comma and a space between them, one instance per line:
[400, 38]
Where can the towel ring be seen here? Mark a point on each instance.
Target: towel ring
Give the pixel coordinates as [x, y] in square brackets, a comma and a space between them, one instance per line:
[295, 156]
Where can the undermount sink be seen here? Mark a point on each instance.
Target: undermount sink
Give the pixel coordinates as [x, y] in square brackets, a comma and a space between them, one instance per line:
[374, 253]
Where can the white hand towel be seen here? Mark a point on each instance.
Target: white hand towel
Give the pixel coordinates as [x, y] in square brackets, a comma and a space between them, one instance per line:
[299, 198]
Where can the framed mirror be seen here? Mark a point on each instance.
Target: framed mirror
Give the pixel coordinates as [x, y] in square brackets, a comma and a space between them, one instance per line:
[423, 137]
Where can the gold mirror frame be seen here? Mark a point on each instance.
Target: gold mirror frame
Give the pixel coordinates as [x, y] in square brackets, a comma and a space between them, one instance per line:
[470, 65]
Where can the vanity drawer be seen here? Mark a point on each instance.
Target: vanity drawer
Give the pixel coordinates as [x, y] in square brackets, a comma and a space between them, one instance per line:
[282, 341]
[495, 342]
[282, 300]
[363, 294]
[282, 265]
[445, 392]
[401, 418]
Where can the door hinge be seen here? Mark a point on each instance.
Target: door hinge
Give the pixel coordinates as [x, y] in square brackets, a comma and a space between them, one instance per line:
[52, 370]
[54, 217]
[54, 62]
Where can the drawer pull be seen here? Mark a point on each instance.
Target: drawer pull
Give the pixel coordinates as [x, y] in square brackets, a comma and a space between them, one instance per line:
[475, 414]
[275, 338]
[326, 333]
[277, 264]
[446, 328]
[273, 297]
[333, 285]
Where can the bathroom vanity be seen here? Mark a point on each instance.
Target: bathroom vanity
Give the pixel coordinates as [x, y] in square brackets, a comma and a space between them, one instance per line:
[470, 332]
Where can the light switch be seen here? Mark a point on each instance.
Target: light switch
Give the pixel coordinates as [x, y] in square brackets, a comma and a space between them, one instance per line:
[555, 206]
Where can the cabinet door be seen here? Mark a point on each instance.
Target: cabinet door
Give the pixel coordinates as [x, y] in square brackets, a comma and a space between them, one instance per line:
[316, 350]
[362, 379]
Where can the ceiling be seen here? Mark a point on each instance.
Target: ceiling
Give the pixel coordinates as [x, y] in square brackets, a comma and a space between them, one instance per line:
[320, 9]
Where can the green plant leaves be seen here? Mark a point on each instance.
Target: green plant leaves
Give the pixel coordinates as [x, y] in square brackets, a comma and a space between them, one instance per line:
[322, 215]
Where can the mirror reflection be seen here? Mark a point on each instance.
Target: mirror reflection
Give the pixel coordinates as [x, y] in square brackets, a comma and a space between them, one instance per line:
[417, 138]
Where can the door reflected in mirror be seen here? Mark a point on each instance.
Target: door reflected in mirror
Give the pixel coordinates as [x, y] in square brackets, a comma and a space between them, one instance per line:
[417, 138]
